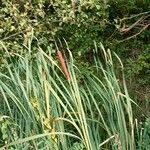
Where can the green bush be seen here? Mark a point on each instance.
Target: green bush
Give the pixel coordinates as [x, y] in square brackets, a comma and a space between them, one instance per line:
[42, 22]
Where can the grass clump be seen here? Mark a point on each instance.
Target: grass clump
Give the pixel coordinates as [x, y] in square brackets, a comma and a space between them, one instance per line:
[40, 109]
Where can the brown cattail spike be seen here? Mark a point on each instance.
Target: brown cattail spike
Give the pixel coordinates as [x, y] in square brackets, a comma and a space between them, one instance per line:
[63, 65]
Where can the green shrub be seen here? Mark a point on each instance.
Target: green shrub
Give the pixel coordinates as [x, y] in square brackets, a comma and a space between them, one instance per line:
[80, 23]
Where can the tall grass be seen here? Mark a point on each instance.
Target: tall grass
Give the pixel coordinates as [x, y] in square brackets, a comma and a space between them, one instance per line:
[40, 109]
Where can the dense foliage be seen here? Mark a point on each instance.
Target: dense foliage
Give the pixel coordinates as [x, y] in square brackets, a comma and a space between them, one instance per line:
[121, 25]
